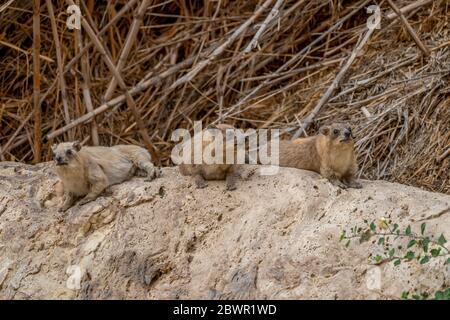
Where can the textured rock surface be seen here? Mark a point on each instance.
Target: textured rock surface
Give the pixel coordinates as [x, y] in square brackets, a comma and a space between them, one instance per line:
[275, 237]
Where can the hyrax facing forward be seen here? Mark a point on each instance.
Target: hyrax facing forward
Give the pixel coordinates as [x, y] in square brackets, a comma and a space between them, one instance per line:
[87, 171]
[202, 172]
[329, 153]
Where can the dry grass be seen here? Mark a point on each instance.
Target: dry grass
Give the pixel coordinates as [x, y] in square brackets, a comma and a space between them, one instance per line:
[193, 60]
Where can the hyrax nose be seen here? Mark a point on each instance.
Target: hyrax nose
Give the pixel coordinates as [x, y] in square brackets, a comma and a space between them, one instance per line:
[58, 159]
[347, 133]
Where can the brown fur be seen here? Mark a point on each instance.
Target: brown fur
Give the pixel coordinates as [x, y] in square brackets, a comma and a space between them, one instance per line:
[203, 172]
[88, 171]
[329, 153]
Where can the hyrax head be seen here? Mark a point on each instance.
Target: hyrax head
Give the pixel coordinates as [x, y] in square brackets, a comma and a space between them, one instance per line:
[338, 133]
[65, 152]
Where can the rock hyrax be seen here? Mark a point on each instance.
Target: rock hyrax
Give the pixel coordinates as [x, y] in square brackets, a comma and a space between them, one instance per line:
[203, 172]
[88, 171]
[329, 153]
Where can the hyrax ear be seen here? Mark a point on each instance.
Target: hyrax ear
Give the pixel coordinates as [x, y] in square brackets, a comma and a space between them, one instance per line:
[76, 145]
[54, 147]
[325, 130]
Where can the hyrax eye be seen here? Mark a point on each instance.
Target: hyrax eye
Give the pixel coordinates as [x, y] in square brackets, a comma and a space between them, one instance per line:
[336, 131]
[69, 152]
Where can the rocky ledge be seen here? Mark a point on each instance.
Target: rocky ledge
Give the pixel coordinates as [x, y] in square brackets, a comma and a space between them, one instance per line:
[276, 237]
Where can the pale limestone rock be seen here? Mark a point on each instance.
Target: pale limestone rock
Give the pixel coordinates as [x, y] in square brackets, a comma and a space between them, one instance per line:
[275, 237]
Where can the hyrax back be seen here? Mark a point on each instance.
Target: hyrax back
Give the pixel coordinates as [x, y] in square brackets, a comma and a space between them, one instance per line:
[203, 172]
[330, 153]
[88, 171]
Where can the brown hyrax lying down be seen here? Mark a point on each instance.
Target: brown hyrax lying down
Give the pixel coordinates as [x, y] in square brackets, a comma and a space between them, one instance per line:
[203, 172]
[329, 153]
[88, 171]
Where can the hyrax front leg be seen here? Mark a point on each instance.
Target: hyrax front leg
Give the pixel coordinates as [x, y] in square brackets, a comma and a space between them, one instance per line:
[350, 181]
[98, 182]
[143, 162]
[68, 201]
[331, 176]
[96, 190]
[152, 171]
[231, 178]
[66, 198]
[200, 182]
[350, 178]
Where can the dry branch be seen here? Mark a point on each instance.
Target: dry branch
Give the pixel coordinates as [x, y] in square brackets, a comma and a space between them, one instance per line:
[309, 119]
[152, 81]
[131, 37]
[37, 80]
[62, 81]
[128, 98]
[201, 65]
[295, 58]
[4, 6]
[272, 14]
[85, 85]
[396, 101]
[116, 18]
[409, 8]
[410, 30]
[444, 155]
[7, 145]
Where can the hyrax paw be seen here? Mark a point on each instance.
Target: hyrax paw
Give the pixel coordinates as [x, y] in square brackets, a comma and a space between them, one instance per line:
[339, 184]
[84, 201]
[355, 185]
[156, 173]
[64, 208]
[231, 187]
[201, 184]
[248, 174]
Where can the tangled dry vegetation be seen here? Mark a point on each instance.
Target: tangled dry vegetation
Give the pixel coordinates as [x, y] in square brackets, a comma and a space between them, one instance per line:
[250, 63]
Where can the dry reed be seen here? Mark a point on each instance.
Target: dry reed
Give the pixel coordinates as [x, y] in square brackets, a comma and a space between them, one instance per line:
[139, 69]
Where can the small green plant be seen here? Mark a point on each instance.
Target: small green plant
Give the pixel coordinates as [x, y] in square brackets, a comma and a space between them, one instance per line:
[438, 295]
[420, 247]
